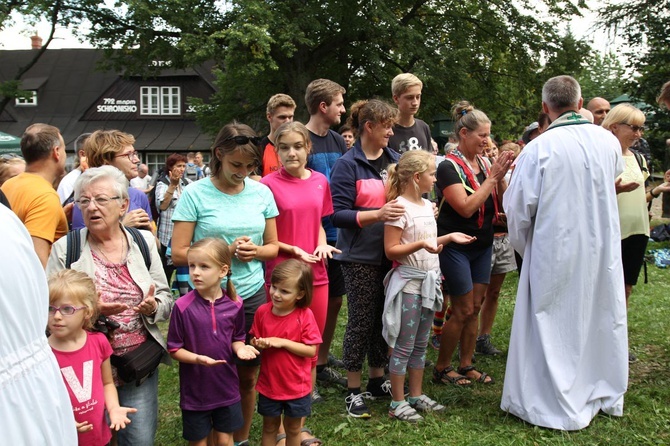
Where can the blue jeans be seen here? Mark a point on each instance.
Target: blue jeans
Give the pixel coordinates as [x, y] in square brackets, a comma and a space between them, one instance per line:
[142, 429]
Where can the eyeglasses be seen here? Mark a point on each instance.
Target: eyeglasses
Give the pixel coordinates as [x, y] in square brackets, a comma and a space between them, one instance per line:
[65, 310]
[101, 201]
[635, 128]
[130, 155]
[241, 140]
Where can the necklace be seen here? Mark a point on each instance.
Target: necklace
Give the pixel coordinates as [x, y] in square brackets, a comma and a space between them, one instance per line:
[124, 253]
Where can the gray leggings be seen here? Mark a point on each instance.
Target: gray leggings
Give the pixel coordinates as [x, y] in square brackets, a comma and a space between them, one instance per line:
[410, 348]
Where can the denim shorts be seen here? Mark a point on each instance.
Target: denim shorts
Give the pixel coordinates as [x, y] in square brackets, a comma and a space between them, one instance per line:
[461, 269]
[297, 408]
[198, 423]
[251, 304]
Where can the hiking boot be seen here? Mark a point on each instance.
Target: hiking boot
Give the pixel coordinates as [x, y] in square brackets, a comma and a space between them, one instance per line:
[356, 406]
[485, 347]
[329, 376]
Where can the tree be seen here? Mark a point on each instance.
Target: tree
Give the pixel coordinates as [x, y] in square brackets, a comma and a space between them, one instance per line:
[643, 24]
[486, 51]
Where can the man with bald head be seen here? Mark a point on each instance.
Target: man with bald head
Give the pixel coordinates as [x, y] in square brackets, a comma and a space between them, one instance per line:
[568, 350]
[599, 107]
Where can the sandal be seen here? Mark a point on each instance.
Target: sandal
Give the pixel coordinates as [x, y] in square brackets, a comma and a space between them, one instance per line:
[310, 441]
[482, 375]
[280, 437]
[405, 412]
[442, 377]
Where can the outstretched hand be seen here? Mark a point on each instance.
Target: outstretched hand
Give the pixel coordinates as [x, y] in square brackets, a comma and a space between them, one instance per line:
[118, 417]
[208, 362]
[502, 164]
[622, 187]
[326, 251]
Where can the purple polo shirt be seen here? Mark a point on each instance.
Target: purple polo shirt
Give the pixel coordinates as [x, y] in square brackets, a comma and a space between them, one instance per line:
[207, 328]
[138, 200]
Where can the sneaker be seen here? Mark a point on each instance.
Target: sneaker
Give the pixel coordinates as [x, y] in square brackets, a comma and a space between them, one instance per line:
[335, 362]
[329, 376]
[435, 341]
[485, 347]
[405, 412]
[382, 391]
[356, 405]
[425, 404]
[316, 396]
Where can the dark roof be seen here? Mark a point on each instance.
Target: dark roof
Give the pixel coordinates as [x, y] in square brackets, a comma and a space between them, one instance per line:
[68, 82]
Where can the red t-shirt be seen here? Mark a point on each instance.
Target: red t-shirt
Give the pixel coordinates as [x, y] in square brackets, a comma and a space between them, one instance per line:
[82, 373]
[283, 375]
[270, 162]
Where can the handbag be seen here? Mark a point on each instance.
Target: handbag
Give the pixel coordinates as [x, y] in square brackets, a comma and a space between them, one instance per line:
[139, 364]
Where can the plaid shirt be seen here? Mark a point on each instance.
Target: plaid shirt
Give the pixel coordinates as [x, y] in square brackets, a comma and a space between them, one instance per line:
[165, 225]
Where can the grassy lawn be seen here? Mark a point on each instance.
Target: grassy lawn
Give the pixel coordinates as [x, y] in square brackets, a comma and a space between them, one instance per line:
[473, 415]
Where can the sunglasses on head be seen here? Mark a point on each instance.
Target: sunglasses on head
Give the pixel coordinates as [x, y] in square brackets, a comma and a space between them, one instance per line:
[241, 140]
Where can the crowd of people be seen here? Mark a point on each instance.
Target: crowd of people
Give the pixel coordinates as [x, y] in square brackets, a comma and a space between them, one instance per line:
[265, 240]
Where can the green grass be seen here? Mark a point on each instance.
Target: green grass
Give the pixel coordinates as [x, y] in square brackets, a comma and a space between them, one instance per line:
[473, 415]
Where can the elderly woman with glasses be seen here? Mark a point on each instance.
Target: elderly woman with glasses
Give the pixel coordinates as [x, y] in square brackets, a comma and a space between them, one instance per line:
[132, 294]
[230, 205]
[627, 123]
[115, 148]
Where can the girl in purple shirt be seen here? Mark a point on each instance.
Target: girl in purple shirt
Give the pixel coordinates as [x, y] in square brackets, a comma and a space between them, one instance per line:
[206, 331]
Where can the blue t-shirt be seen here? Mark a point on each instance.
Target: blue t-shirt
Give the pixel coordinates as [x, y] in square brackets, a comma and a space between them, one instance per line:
[230, 216]
[138, 200]
[325, 151]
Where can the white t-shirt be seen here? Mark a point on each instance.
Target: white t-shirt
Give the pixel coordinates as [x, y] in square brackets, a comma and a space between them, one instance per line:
[417, 223]
[141, 183]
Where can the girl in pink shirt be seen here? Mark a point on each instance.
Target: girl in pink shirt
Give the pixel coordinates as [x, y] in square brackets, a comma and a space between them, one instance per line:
[83, 357]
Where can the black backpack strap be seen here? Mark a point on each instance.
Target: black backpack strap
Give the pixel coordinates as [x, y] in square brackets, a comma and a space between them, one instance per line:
[640, 162]
[73, 247]
[142, 244]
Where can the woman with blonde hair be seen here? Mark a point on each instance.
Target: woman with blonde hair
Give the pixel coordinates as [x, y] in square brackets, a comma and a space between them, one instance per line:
[470, 188]
[626, 122]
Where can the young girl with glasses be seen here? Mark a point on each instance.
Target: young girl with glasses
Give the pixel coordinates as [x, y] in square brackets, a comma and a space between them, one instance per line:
[83, 357]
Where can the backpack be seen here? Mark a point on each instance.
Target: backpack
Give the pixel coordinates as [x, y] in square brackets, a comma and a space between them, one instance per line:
[74, 246]
[192, 172]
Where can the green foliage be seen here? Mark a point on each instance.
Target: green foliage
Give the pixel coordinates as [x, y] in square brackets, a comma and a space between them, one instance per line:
[603, 76]
[486, 52]
[643, 26]
[473, 415]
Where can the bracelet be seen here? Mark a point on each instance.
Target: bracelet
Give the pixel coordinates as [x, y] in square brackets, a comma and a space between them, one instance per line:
[169, 192]
[651, 192]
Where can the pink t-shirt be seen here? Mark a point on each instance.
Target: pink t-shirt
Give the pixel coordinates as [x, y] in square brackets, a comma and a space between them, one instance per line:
[302, 204]
[285, 376]
[82, 373]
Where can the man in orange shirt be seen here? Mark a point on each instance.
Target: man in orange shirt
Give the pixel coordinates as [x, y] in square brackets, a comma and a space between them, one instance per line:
[32, 195]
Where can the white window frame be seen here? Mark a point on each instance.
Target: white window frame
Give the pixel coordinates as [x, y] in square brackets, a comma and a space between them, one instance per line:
[27, 102]
[160, 100]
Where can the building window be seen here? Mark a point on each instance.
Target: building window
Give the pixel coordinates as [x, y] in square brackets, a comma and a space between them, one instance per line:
[160, 100]
[155, 162]
[29, 101]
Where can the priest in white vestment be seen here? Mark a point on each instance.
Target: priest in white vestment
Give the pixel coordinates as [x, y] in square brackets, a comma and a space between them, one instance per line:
[35, 407]
[568, 352]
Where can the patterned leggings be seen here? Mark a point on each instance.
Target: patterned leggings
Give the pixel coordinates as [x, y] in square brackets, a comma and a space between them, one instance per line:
[365, 303]
[410, 347]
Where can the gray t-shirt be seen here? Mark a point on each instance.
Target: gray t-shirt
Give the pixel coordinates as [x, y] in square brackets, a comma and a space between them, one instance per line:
[415, 137]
